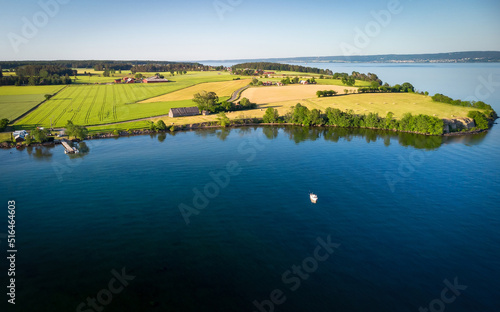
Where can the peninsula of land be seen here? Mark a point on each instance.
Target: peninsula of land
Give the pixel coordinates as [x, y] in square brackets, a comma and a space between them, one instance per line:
[119, 98]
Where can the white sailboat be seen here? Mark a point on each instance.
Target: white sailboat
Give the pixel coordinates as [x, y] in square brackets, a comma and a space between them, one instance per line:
[313, 197]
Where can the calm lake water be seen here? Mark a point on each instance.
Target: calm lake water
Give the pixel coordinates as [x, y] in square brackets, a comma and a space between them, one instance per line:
[400, 213]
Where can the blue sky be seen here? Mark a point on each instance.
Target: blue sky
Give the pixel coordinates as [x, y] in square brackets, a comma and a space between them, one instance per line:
[236, 29]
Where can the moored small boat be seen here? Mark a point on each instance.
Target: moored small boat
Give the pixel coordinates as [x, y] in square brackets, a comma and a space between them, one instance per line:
[313, 197]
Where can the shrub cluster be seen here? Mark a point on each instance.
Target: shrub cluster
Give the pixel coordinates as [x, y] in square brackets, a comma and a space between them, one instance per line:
[326, 93]
[448, 100]
[300, 114]
[480, 119]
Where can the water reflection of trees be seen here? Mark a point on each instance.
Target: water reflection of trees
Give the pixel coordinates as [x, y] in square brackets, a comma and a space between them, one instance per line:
[298, 134]
[332, 134]
[40, 152]
[270, 132]
[83, 150]
[161, 137]
[223, 133]
[208, 132]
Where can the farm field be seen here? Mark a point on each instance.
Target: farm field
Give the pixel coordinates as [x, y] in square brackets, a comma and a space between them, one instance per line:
[102, 104]
[223, 89]
[399, 104]
[381, 103]
[15, 101]
[263, 95]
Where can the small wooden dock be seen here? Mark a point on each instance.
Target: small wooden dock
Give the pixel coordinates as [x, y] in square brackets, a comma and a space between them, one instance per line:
[68, 149]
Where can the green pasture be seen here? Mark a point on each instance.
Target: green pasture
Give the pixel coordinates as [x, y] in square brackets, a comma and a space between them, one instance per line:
[5, 137]
[15, 101]
[101, 104]
[133, 125]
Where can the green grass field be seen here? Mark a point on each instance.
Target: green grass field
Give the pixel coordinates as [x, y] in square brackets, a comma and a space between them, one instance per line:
[15, 101]
[5, 137]
[360, 103]
[133, 125]
[101, 104]
[381, 103]
[398, 103]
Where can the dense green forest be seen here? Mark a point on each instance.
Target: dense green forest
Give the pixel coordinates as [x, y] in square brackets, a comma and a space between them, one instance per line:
[59, 72]
[34, 75]
[116, 65]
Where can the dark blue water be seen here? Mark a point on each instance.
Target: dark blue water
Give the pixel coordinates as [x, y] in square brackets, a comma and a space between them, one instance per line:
[403, 213]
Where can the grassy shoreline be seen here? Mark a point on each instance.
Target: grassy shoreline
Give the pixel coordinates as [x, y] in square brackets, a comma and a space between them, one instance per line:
[123, 107]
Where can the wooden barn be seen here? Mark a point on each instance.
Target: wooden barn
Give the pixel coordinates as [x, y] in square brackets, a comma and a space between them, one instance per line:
[154, 79]
[183, 111]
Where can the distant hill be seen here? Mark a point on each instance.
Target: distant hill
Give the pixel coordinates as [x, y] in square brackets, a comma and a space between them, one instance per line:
[453, 57]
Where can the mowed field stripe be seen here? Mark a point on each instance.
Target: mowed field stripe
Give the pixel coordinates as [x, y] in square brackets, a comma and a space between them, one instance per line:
[103, 105]
[92, 104]
[84, 99]
[54, 105]
[114, 104]
[76, 92]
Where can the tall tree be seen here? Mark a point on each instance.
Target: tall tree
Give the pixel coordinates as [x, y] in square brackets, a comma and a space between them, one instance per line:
[271, 115]
[206, 100]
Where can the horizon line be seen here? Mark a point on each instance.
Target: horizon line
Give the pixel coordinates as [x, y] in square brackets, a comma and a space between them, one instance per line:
[256, 58]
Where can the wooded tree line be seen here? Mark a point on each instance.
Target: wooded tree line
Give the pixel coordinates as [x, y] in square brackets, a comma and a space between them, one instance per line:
[261, 66]
[350, 80]
[117, 65]
[34, 80]
[438, 97]
[301, 115]
[44, 70]
[33, 75]
[405, 87]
